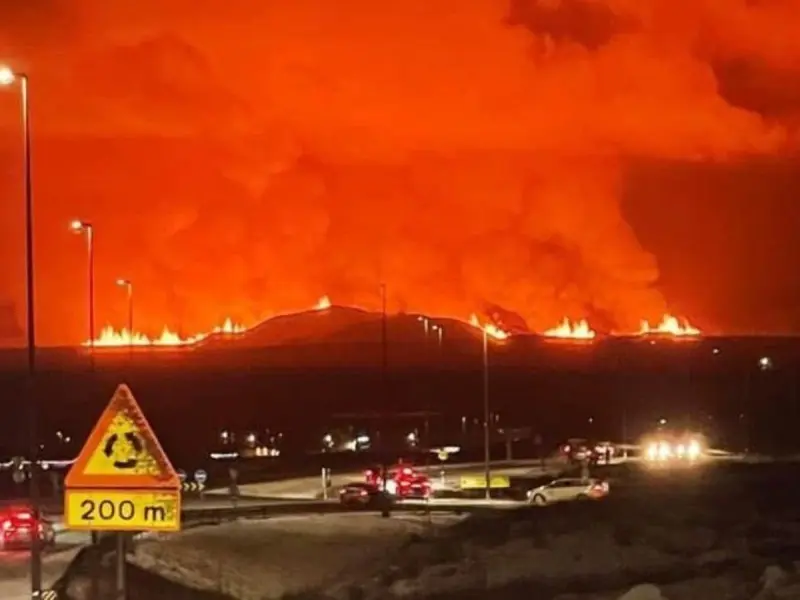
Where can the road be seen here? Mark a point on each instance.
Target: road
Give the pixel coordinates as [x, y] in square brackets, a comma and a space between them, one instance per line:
[14, 566]
[443, 476]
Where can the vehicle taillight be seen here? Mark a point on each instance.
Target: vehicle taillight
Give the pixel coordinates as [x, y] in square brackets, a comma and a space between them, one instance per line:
[23, 516]
[362, 493]
[7, 524]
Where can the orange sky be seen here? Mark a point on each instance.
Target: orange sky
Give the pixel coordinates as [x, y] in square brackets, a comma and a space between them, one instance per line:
[250, 160]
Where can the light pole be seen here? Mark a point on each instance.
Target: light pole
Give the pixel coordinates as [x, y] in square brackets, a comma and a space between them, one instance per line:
[427, 327]
[439, 333]
[80, 228]
[7, 78]
[486, 416]
[385, 384]
[426, 324]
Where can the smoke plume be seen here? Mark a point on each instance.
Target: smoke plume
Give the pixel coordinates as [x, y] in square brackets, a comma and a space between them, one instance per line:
[248, 159]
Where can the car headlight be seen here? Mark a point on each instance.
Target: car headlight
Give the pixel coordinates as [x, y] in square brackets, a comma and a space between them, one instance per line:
[694, 450]
[664, 451]
[652, 452]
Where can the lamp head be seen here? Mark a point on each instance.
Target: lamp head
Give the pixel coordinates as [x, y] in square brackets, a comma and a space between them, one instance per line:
[77, 226]
[7, 76]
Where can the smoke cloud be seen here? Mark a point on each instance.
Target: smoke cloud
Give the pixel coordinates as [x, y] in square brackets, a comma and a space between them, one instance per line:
[249, 160]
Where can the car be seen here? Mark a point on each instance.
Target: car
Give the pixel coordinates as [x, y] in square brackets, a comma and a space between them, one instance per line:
[402, 481]
[577, 451]
[567, 489]
[363, 495]
[17, 527]
[666, 448]
[413, 488]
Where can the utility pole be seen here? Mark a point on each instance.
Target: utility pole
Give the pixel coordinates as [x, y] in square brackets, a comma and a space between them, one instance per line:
[385, 385]
[486, 417]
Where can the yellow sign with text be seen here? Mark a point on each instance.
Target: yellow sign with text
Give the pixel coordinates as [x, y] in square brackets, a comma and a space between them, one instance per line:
[478, 482]
[123, 510]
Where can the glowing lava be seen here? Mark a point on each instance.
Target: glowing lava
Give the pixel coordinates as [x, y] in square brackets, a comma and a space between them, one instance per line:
[491, 330]
[568, 330]
[229, 328]
[670, 326]
[111, 338]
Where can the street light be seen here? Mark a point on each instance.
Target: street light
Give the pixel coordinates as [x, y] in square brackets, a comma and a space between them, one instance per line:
[385, 384]
[128, 285]
[81, 228]
[7, 78]
[486, 415]
[425, 324]
[439, 333]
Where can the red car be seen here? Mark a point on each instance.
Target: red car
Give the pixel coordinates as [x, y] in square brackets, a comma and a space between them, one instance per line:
[18, 526]
[402, 481]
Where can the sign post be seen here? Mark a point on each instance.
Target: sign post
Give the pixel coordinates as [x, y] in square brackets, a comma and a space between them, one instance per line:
[122, 481]
[200, 478]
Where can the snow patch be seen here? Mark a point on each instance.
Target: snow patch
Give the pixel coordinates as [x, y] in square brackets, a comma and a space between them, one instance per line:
[261, 559]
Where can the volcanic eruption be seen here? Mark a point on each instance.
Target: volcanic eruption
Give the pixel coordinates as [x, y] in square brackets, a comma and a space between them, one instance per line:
[240, 162]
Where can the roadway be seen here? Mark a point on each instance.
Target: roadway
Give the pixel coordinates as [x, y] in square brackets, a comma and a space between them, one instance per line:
[217, 508]
[443, 476]
[304, 496]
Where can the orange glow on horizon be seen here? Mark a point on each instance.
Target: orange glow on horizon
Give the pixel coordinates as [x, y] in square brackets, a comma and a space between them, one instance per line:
[469, 164]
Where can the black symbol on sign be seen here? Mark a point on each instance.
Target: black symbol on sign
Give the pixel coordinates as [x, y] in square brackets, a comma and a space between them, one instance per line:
[124, 451]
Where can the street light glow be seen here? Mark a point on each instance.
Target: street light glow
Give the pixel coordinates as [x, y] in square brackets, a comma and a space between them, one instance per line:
[78, 226]
[7, 76]
[123, 282]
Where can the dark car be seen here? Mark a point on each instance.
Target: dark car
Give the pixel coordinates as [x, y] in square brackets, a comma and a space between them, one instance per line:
[363, 495]
[18, 526]
[415, 488]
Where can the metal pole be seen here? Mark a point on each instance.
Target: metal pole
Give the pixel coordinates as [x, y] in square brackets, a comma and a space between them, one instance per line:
[95, 537]
[426, 354]
[486, 416]
[121, 587]
[385, 385]
[625, 427]
[36, 550]
[90, 248]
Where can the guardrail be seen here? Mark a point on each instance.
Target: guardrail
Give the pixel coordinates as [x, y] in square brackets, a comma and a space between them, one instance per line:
[211, 516]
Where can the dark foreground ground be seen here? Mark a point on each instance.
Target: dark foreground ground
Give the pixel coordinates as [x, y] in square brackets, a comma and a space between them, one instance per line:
[612, 389]
[707, 532]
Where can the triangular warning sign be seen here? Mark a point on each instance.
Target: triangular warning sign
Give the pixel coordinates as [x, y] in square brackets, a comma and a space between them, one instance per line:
[122, 451]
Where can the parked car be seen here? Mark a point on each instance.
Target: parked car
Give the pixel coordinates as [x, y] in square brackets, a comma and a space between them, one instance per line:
[364, 496]
[568, 489]
[18, 526]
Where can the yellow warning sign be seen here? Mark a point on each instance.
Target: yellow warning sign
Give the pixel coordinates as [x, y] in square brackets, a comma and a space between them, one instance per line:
[122, 451]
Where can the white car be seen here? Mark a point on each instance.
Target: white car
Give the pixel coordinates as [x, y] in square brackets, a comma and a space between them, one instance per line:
[561, 490]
